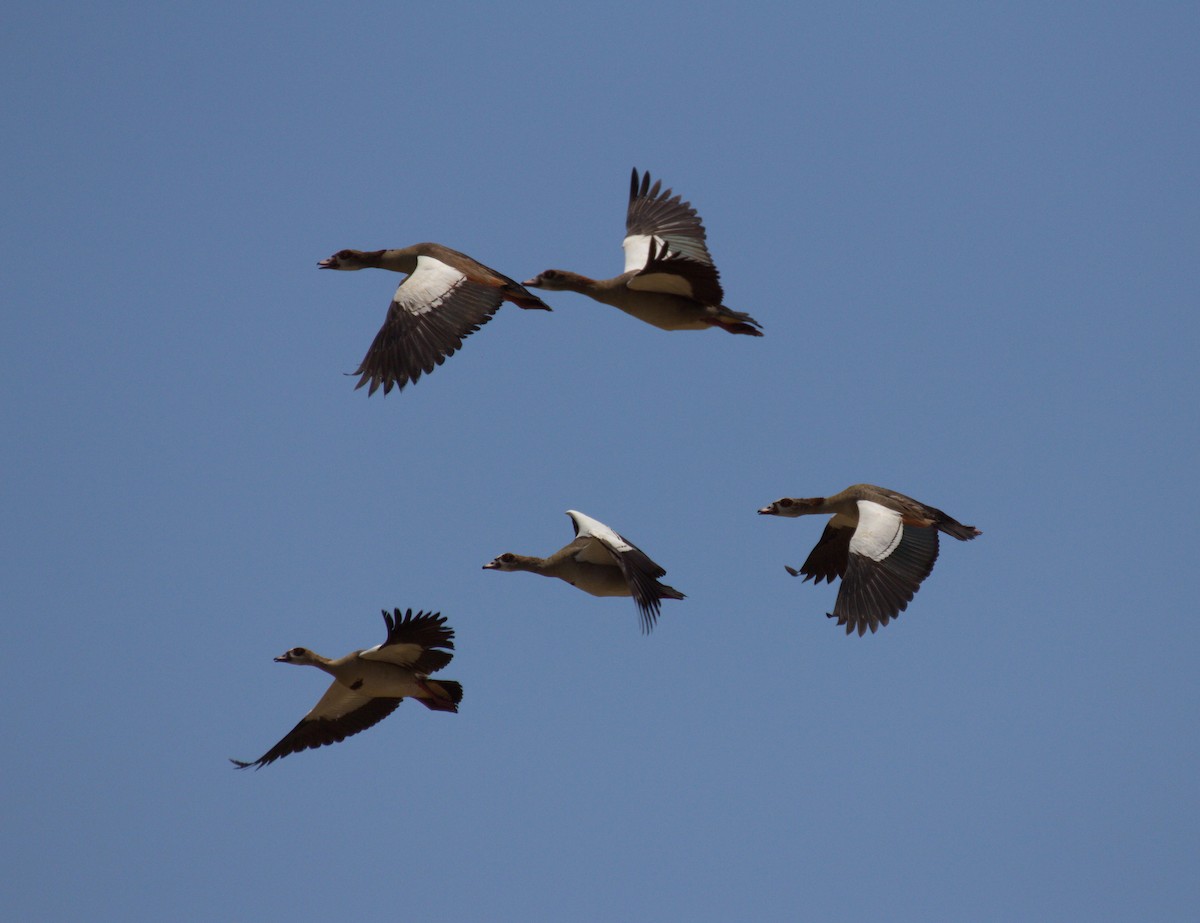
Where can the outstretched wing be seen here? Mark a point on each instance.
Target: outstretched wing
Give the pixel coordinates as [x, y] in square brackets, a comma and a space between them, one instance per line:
[665, 244]
[432, 312]
[339, 714]
[887, 562]
[413, 641]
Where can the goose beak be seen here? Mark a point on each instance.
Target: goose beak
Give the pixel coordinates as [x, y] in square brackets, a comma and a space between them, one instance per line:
[491, 565]
[767, 511]
[330, 263]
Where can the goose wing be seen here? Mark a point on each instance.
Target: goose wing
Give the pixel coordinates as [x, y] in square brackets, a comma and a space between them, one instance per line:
[887, 562]
[665, 245]
[597, 543]
[339, 714]
[829, 556]
[413, 641]
[433, 311]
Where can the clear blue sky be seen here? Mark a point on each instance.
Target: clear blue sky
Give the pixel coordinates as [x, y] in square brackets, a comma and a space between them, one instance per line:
[971, 235]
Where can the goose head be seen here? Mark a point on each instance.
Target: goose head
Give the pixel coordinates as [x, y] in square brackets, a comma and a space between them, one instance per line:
[792, 506]
[554, 280]
[345, 259]
[506, 561]
[300, 655]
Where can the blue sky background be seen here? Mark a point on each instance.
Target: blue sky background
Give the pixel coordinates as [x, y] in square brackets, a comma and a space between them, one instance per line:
[971, 234]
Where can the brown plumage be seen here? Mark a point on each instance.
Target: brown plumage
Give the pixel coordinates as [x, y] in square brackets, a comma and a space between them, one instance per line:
[446, 297]
[881, 544]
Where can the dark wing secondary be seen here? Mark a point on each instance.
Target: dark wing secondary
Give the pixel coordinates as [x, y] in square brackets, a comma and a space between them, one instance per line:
[828, 558]
[875, 592]
[318, 732]
[641, 573]
[418, 335]
[666, 216]
[427, 630]
[702, 279]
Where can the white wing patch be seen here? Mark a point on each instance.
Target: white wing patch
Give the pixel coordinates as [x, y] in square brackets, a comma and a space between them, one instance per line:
[637, 255]
[607, 543]
[594, 528]
[430, 284]
[637, 251]
[879, 531]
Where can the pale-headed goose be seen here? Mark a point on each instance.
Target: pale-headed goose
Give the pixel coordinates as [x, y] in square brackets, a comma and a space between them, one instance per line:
[881, 543]
[368, 685]
[446, 297]
[602, 563]
[669, 279]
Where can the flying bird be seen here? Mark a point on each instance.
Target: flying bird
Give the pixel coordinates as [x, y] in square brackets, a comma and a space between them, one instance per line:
[670, 280]
[368, 685]
[881, 543]
[600, 562]
[446, 297]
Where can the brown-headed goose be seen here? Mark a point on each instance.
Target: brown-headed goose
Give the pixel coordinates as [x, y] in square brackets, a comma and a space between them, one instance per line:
[881, 543]
[368, 685]
[669, 279]
[602, 563]
[446, 297]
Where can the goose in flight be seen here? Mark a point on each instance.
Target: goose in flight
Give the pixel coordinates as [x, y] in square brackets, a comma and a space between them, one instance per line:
[600, 562]
[881, 544]
[368, 685]
[446, 297]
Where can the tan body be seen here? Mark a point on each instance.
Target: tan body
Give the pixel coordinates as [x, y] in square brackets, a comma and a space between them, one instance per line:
[404, 259]
[377, 678]
[659, 309]
[844, 506]
[596, 579]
